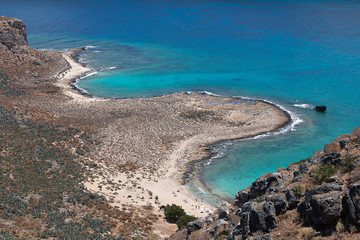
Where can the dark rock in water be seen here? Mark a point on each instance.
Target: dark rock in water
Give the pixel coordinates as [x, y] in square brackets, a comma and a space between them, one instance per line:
[351, 204]
[332, 158]
[321, 108]
[322, 206]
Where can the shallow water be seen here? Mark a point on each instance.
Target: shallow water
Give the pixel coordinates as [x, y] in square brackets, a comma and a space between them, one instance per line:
[275, 50]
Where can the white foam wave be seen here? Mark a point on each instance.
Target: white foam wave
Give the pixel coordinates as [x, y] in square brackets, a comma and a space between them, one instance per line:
[303, 105]
[86, 75]
[97, 51]
[200, 189]
[294, 121]
[110, 68]
[89, 47]
[209, 93]
[294, 118]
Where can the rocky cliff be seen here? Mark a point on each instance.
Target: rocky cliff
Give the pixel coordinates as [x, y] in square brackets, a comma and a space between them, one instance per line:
[22, 62]
[318, 197]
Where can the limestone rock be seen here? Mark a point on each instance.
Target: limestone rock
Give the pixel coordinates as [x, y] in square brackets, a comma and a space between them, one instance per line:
[351, 203]
[280, 204]
[256, 217]
[195, 225]
[223, 211]
[332, 158]
[322, 206]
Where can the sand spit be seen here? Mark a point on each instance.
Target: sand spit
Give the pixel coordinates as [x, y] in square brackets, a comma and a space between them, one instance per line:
[143, 145]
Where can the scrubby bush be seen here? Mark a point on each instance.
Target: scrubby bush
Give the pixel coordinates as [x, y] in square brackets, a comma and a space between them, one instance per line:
[298, 190]
[324, 173]
[184, 220]
[173, 213]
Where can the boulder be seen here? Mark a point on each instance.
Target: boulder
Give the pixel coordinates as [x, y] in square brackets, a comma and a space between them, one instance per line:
[343, 142]
[258, 188]
[209, 219]
[219, 223]
[351, 205]
[223, 211]
[194, 225]
[332, 158]
[322, 206]
[241, 197]
[256, 217]
[291, 199]
[280, 204]
[303, 168]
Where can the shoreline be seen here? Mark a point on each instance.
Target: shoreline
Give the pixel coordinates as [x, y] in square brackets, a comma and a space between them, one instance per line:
[202, 163]
[168, 186]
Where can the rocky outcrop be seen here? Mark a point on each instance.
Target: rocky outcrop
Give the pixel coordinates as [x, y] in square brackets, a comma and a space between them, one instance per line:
[13, 32]
[322, 207]
[319, 195]
[255, 217]
[351, 206]
[22, 62]
[272, 183]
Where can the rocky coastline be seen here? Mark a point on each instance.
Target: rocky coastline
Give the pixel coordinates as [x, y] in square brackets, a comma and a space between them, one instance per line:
[314, 198]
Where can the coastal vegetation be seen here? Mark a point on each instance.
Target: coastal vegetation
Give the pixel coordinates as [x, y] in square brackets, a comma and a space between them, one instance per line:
[176, 214]
[41, 191]
[324, 173]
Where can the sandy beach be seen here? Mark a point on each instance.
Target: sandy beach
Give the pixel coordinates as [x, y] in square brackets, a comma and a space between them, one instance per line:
[143, 145]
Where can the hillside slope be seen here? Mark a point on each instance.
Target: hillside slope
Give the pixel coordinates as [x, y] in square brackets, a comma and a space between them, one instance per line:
[318, 197]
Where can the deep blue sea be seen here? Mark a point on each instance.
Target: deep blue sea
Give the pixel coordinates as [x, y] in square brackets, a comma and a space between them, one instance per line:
[274, 50]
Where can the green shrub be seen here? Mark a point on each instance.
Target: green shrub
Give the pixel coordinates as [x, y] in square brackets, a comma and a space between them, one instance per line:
[223, 233]
[173, 213]
[348, 160]
[324, 173]
[298, 190]
[184, 220]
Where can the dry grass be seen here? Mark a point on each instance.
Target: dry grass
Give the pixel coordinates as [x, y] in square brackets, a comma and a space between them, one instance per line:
[307, 233]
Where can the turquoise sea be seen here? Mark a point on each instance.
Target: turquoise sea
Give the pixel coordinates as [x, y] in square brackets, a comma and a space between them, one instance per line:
[274, 50]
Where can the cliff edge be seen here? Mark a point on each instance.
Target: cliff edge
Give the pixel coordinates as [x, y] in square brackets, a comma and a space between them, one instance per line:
[22, 62]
